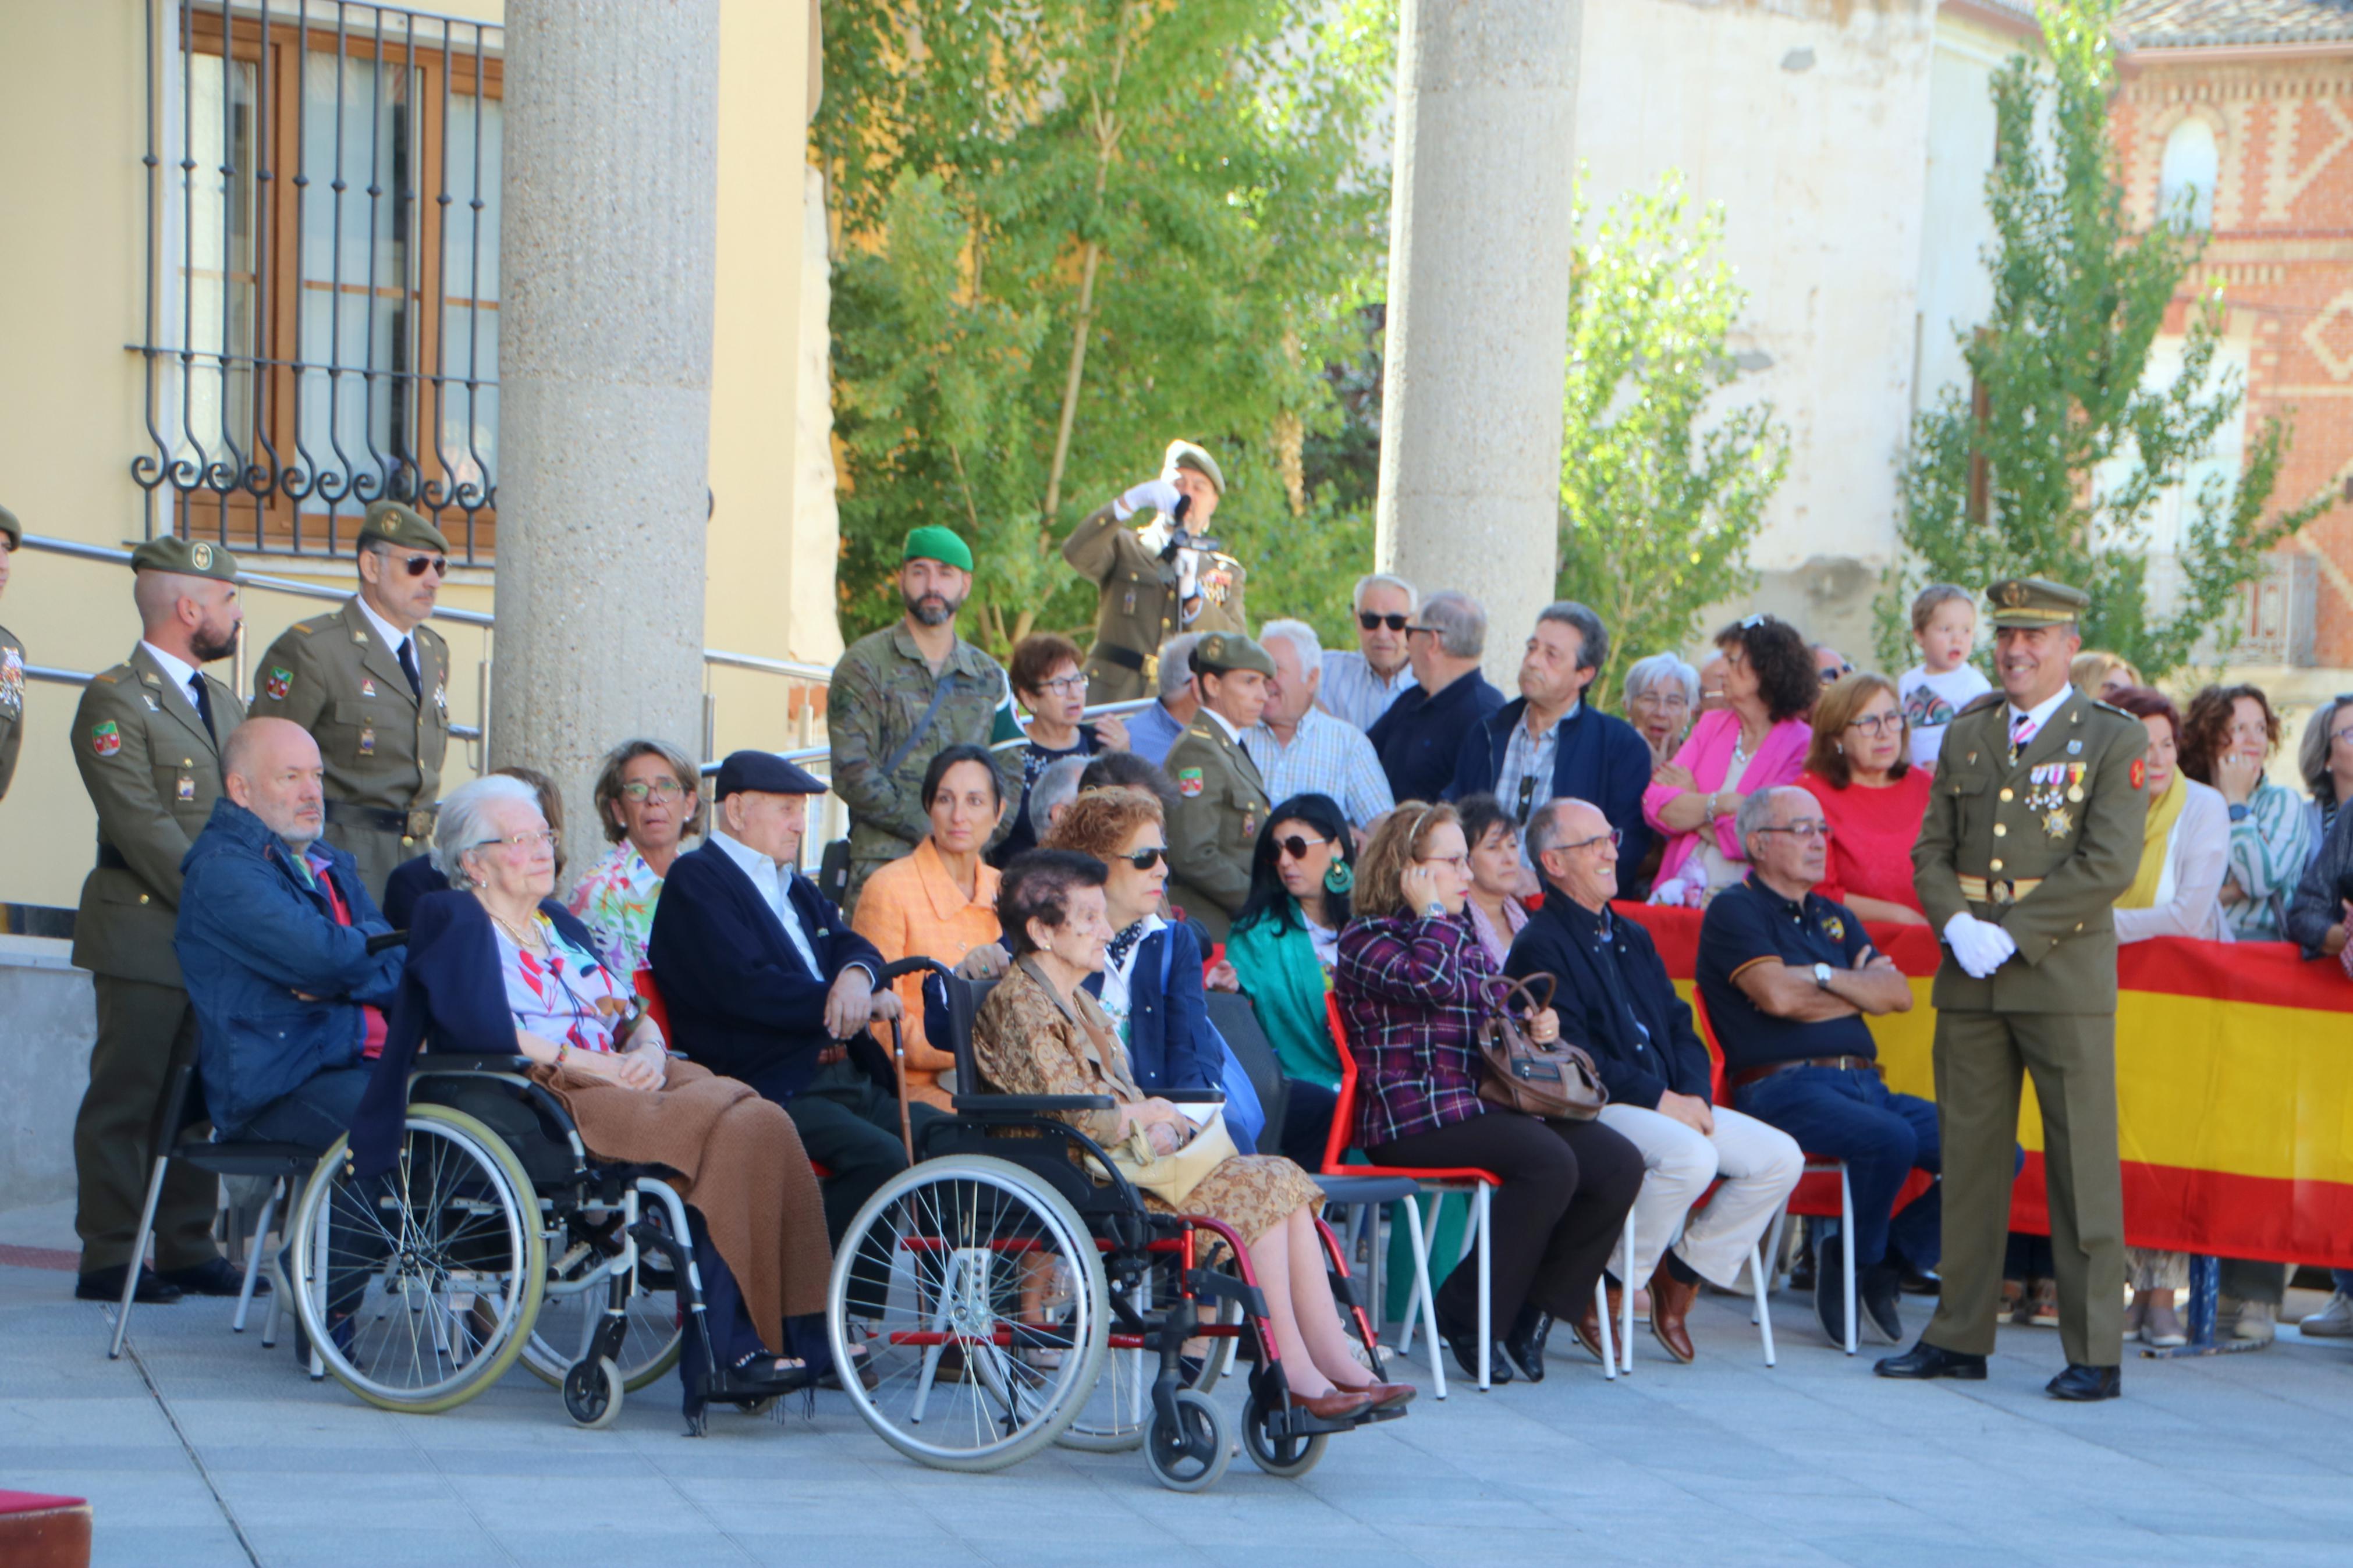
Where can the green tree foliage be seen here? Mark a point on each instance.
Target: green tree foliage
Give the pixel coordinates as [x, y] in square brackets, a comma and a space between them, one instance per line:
[1662, 485]
[1068, 230]
[2057, 467]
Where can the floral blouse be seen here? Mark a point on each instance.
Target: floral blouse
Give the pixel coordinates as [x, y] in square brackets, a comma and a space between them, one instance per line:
[615, 900]
[563, 994]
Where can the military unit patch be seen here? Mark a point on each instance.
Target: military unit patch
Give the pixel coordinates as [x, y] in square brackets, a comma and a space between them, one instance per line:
[12, 678]
[279, 681]
[1188, 782]
[2139, 772]
[105, 740]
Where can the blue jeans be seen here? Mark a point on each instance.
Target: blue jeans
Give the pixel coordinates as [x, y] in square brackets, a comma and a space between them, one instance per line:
[314, 1115]
[1849, 1114]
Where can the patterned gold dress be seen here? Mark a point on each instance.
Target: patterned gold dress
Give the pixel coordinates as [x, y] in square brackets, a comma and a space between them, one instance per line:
[1027, 1040]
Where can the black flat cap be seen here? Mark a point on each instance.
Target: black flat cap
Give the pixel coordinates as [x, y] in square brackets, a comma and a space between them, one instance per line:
[763, 773]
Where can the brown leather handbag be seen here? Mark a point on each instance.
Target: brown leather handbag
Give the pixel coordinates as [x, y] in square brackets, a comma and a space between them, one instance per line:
[1557, 1082]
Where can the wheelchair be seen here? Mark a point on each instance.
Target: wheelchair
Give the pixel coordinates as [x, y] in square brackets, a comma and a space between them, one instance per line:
[1009, 1301]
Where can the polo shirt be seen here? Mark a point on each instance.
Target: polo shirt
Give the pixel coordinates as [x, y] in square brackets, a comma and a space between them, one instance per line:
[1747, 923]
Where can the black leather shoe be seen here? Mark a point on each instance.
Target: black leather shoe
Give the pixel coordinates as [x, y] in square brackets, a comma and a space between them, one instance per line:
[1877, 1296]
[1830, 1293]
[2083, 1384]
[1924, 1360]
[1465, 1343]
[217, 1276]
[106, 1285]
[1523, 1347]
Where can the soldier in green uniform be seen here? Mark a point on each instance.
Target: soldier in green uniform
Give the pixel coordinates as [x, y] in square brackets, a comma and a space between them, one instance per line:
[12, 662]
[1220, 797]
[2032, 831]
[147, 737]
[1158, 580]
[370, 683]
[901, 695]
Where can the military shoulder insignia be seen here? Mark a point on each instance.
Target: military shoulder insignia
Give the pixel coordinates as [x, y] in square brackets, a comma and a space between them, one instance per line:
[105, 738]
[2112, 708]
[278, 683]
[1986, 700]
[1189, 781]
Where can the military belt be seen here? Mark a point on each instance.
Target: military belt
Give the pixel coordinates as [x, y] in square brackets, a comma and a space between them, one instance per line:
[1125, 658]
[1982, 891]
[109, 858]
[416, 823]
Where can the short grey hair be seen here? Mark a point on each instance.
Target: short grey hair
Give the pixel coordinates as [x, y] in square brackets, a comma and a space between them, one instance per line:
[1593, 650]
[1756, 810]
[1177, 664]
[463, 823]
[1544, 830]
[1645, 673]
[1302, 638]
[1372, 580]
[1460, 621]
[1058, 785]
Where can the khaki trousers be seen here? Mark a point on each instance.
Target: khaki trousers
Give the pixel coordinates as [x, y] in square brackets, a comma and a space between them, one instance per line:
[144, 1031]
[1981, 1058]
[1759, 1165]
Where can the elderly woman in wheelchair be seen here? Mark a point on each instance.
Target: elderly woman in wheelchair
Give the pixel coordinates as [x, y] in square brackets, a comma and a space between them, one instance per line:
[497, 972]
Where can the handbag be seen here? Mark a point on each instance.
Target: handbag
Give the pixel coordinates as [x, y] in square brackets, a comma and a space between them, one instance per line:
[1168, 1177]
[1557, 1081]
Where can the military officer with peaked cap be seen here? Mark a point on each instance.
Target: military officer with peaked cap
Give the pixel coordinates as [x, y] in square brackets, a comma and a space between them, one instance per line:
[2032, 830]
[1221, 798]
[371, 682]
[11, 661]
[1158, 580]
[147, 737]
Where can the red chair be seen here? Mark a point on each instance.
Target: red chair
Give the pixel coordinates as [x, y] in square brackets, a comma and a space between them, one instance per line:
[658, 1012]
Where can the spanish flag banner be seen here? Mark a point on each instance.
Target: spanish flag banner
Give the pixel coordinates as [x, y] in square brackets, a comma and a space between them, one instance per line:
[2234, 1089]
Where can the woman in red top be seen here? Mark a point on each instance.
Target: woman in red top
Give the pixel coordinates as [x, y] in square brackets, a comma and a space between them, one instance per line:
[1873, 796]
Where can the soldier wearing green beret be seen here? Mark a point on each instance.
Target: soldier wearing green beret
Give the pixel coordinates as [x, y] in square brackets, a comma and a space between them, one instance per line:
[371, 682]
[11, 661]
[147, 737]
[2032, 831]
[901, 695]
[1158, 580]
[1220, 796]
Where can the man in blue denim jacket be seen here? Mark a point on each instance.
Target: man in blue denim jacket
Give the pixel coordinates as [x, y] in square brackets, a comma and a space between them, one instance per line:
[273, 930]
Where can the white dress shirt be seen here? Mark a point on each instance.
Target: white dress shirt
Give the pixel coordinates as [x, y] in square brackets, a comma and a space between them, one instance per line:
[174, 667]
[774, 882]
[2040, 712]
[394, 639]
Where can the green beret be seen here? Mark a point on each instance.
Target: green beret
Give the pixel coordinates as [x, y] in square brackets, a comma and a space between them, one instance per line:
[1184, 455]
[933, 542]
[402, 527]
[12, 528]
[191, 557]
[2035, 601]
[1221, 653]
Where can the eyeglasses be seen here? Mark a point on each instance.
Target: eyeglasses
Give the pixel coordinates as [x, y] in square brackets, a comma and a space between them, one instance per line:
[1144, 859]
[1614, 837]
[1064, 684]
[640, 792]
[1831, 675]
[1371, 622]
[1876, 724]
[547, 837]
[417, 565]
[1461, 862]
[1297, 847]
[1803, 832]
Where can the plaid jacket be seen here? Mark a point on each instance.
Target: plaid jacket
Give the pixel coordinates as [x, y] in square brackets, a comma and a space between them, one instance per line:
[1413, 992]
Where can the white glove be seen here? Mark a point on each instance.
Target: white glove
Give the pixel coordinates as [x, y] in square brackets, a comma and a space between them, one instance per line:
[1158, 494]
[1189, 573]
[1980, 945]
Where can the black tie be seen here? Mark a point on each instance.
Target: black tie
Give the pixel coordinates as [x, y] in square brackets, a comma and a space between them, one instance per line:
[204, 702]
[408, 667]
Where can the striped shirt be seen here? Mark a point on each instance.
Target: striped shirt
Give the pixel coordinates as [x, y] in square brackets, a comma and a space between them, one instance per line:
[1354, 692]
[1413, 992]
[2269, 846]
[1327, 757]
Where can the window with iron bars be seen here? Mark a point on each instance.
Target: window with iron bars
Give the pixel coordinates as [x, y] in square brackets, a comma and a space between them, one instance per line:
[322, 325]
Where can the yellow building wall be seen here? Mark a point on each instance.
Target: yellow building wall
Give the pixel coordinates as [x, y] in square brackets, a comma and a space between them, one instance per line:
[72, 134]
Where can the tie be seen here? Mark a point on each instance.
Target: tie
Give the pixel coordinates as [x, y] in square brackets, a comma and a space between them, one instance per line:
[408, 667]
[197, 694]
[2021, 730]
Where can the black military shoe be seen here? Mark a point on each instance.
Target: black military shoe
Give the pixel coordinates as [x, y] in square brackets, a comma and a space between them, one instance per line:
[1464, 1342]
[1525, 1346]
[106, 1285]
[1924, 1360]
[217, 1277]
[1878, 1295]
[2083, 1384]
[1830, 1293]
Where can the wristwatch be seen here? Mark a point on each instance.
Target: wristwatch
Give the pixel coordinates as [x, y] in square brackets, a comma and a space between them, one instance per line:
[1433, 910]
[1823, 975]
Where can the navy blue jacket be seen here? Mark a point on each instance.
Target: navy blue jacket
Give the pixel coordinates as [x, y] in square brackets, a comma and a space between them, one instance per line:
[411, 880]
[453, 996]
[741, 1001]
[1598, 757]
[1169, 1045]
[252, 932]
[1615, 1000]
[1419, 739]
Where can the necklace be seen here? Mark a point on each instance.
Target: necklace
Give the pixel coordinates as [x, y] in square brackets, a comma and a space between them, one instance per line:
[528, 938]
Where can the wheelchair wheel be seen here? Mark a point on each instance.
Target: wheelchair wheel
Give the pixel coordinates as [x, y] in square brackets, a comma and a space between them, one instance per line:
[1285, 1458]
[582, 1286]
[592, 1392]
[418, 1289]
[944, 1277]
[1113, 1419]
[1188, 1454]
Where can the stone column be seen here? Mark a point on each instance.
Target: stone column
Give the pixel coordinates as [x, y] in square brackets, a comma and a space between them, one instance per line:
[607, 257]
[1479, 231]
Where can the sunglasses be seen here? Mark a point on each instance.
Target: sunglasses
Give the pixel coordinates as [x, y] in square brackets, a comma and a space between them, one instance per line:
[417, 565]
[1296, 846]
[1371, 622]
[1143, 859]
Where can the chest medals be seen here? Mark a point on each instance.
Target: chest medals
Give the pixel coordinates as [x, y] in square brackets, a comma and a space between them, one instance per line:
[2053, 789]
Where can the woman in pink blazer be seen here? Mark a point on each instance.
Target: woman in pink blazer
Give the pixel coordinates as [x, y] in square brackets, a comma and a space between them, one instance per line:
[1755, 742]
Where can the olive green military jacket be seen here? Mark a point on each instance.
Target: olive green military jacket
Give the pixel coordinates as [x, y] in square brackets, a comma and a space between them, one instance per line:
[382, 745]
[12, 705]
[1221, 805]
[882, 686]
[2068, 815]
[1138, 609]
[152, 771]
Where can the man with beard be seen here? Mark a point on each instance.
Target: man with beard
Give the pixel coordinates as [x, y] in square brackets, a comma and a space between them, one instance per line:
[147, 737]
[903, 694]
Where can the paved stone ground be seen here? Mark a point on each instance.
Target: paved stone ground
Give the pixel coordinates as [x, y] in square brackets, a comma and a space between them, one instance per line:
[203, 1449]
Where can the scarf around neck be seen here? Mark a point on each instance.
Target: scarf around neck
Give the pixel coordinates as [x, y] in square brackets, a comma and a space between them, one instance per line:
[2156, 839]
